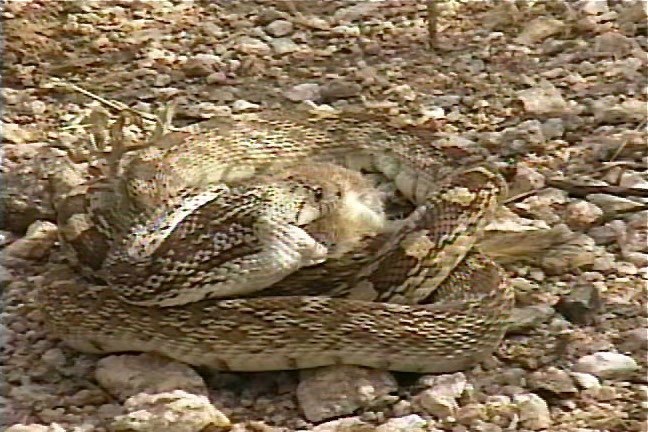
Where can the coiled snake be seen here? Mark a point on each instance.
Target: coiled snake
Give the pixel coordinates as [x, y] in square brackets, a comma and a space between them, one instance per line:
[258, 246]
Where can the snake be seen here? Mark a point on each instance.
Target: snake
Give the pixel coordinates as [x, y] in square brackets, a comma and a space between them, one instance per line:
[266, 243]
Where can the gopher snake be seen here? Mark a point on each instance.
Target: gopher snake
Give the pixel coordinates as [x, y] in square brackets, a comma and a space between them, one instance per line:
[256, 246]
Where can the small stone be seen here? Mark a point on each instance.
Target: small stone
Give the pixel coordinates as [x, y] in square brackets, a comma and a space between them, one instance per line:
[526, 179]
[613, 44]
[199, 66]
[279, 28]
[340, 390]
[538, 30]
[525, 319]
[302, 92]
[5, 277]
[249, 45]
[543, 99]
[634, 340]
[283, 46]
[349, 424]
[410, 423]
[355, 12]
[126, 375]
[585, 380]
[14, 133]
[594, 7]
[611, 204]
[607, 111]
[605, 364]
[582, 214]
[553, 128]
[441, 399]
[35, 428]
[552, 379]
[242, 105]
[335, 90]
[581, 305]
[176, 411]
[39, 239]
[534, 412]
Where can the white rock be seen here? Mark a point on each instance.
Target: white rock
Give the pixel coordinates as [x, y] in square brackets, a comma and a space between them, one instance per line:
[356, 11]
[279, 28]
[605, 364]
[39, 239]
[176, 411]
[585, 380]
[340, 390]
[441, 398]
[534, 412]
[242, 105]
[35, 428]
[349, 424]
[410, 423]
[302, 92]
[594, 7]
[126, 375]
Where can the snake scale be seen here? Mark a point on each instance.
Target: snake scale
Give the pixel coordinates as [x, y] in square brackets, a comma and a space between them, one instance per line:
[262, 244]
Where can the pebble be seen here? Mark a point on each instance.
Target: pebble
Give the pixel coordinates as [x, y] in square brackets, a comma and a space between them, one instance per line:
[349, 424]
[241, 105]
[303, 92]
[534, 412]
[283, 46]
[525, 319]
[440, 399]
[410, 423]
[126, 375]
[543, 99]
[611, 204]
[605, 364]
[279, 28]
[634, 340]
[54, 427]
[585, 380]
[526, 179]
[340, 390]
[538, 30]
[552, 379]
[339, 90]
[582, 214]
[176, 411]
[581, 305]
[249, 45]
[39, 239]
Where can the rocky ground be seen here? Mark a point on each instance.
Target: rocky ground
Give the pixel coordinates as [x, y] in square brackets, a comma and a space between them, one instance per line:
[555, 91]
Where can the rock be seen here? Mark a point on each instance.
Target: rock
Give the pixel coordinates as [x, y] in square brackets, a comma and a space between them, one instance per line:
[126, 375]
[553, 128]
[585, 380]
[349, 424]
[578, 250]
[5, 277]
[605, 364]
[39, 239]
[340, 390]
[608, 111]
[526, 179]
[302, 92]
[538, 30]
[534, 412]
[241, 105]
[582, 214]
[581, 305]
[410, 423]
[339, 89]
[14, 133]
[176, 411]
[613, 44]
[199, 66]
[611, 204]
[634, 340]
[552, 379]
[249, 45]
[279, 28]
[608, 233]
[593, 7]
[440, 399]
[355, 12]
[283, 46]
[35, 428]
[528, 318]
[544, 99]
